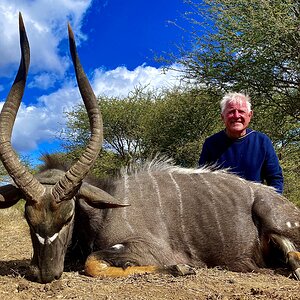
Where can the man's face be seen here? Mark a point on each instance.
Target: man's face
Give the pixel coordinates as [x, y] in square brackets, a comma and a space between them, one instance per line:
[236, 118]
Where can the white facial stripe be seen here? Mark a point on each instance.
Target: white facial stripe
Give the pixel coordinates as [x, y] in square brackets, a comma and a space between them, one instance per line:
[41, 240]
[51, 239]
[48, 240]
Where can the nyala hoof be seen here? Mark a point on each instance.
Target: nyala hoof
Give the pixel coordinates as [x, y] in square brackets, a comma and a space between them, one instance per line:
[181, 270]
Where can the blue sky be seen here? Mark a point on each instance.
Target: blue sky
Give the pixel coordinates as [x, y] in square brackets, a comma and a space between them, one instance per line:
[116, 41]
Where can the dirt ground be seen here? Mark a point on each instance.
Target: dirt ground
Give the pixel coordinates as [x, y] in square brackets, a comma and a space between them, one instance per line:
[16, 251]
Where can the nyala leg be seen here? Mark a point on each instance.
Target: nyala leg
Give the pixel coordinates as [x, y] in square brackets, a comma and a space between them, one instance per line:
[100, 268]
[115, 263]
[290, 253]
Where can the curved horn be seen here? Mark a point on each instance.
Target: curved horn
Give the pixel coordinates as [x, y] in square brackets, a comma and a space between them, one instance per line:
[21, 176]
[69, 184]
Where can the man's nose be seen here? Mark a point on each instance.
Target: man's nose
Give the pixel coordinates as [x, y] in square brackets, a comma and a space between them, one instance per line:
[236, 114]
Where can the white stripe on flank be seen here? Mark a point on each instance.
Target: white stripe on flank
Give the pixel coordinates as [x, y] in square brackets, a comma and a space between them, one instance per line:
[215, 213]
[156, 190]
[140, 186]
[124, 210]
[163, 216]
[252, 194]
[183, 228]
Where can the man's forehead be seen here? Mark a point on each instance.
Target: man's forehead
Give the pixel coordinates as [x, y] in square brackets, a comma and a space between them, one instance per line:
[236, 104]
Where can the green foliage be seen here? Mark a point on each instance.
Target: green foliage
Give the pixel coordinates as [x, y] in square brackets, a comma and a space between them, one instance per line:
[247, 45]
[107, 164]
[285, 135]
[290, 162]
[178, 122]
[171, 122]
[3, 173]
[123, 131]
[77, 133]
[123, 123]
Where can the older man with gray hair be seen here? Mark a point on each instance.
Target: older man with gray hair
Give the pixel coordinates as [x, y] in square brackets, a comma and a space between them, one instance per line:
[244, 151]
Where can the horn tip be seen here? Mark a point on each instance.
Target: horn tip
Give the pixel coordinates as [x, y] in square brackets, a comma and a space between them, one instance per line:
[21, 23]
[70, 31]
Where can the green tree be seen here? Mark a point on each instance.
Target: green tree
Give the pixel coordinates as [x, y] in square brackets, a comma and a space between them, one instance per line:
[179, 122]
[285, 136]
[247, 45]
[123, 123]
[4, 177]
[122, 119]
[123, 130]
[171, 122]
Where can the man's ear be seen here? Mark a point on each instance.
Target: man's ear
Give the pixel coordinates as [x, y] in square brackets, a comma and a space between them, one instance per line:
[251, 114]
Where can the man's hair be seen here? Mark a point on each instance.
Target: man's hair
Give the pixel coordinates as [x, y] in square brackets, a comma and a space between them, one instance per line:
[236, 98]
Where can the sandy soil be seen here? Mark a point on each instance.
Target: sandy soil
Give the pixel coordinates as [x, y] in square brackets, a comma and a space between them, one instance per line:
[16, 251]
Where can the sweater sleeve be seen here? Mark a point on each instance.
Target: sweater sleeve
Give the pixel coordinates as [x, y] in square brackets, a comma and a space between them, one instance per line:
[271, 170]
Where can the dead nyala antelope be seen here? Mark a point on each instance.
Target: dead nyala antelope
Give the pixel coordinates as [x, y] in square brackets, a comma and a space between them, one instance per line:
[160, 218]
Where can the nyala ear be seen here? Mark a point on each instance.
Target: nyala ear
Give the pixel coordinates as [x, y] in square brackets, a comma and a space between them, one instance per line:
[9, 195]
[98, 198]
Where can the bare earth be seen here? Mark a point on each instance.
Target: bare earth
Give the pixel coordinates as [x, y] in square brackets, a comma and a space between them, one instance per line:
[16, 251]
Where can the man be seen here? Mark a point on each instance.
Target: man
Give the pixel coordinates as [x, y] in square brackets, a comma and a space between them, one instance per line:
[246, 152]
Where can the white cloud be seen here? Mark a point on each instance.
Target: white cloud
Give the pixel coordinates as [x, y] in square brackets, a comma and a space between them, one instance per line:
[46, 23]
[120, 81]
[36, 124]
[43, 81]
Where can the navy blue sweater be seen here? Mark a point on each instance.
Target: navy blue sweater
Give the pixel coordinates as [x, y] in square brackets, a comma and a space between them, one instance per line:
[252, 157]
